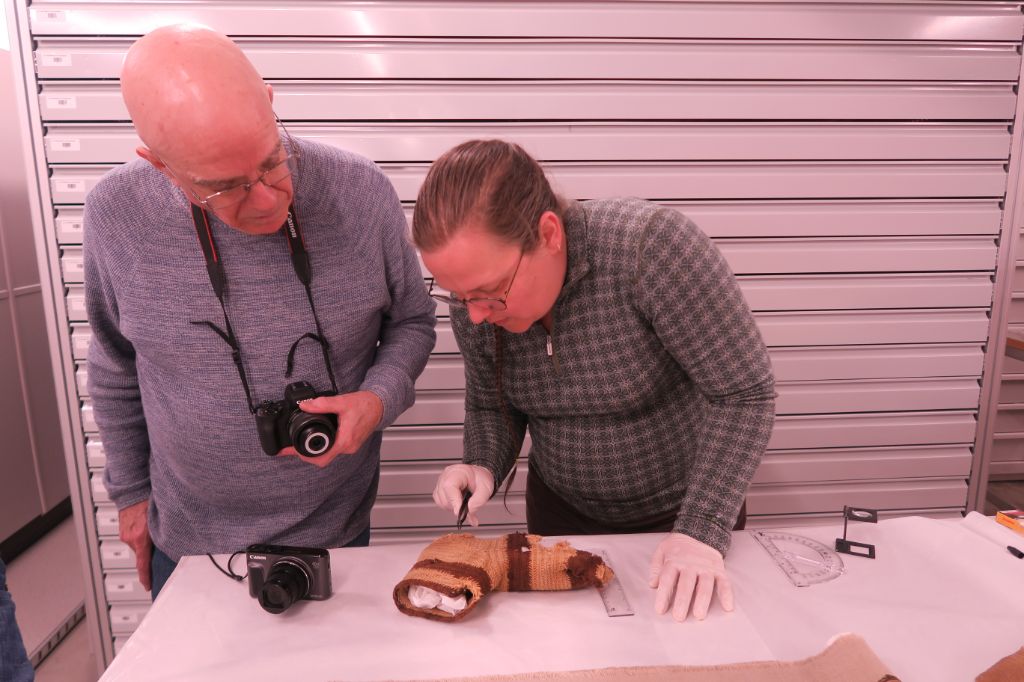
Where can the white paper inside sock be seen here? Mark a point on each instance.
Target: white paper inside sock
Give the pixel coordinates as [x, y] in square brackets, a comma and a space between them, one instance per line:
[426, 598]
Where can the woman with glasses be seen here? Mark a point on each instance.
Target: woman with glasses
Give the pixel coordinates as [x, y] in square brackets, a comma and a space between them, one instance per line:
[616, 332]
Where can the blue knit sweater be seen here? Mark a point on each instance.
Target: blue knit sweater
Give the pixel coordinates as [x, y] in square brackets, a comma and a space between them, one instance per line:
[168, 400]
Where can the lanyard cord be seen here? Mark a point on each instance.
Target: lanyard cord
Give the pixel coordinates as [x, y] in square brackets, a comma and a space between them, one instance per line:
[300, 262]
[218, 280]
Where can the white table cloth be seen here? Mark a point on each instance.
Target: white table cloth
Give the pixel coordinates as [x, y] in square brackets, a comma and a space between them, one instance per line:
[942, 601]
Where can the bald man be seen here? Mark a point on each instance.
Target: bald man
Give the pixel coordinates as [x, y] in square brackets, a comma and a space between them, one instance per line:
[203, 308]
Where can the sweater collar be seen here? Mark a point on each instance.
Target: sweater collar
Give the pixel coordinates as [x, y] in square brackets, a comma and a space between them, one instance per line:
[578, 254]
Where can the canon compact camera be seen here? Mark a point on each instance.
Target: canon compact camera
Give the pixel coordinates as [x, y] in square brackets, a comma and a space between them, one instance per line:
[279, 575]
[282, 423]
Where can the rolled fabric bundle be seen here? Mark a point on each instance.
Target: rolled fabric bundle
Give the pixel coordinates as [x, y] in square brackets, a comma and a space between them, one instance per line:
[458, 565]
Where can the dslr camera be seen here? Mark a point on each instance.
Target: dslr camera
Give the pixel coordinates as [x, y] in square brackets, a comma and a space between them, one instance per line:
[279, 575]
[282, 423]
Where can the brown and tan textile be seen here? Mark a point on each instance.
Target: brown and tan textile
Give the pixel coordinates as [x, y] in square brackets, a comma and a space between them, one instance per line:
[462, 564]
[1008, 669]
[847, 658]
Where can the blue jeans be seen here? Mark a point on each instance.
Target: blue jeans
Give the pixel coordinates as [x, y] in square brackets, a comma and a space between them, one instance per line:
[162, 565]
[14, 664]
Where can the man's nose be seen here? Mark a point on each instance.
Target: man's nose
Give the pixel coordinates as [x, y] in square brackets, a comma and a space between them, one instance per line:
[478, 313]
[262, 197]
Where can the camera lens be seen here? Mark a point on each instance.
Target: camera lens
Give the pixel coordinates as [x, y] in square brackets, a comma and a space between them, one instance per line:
[312, 434]
[315, 443]
[287, 583]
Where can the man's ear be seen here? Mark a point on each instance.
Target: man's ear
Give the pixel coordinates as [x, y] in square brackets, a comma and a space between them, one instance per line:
[270, 92]
[147, 154]
[552, 232]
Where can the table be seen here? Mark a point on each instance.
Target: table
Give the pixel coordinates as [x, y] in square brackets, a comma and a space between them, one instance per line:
[942, 601]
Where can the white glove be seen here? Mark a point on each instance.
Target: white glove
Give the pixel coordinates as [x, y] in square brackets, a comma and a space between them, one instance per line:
[690, 570]
[458, 477]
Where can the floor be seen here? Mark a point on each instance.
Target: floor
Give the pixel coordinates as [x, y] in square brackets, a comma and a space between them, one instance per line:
[71, 661]
[1004, 495]
[47, 585]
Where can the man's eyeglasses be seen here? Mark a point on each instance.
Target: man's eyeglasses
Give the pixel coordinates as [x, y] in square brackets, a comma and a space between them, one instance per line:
[272, 177]
[237, 194]
[487, 302]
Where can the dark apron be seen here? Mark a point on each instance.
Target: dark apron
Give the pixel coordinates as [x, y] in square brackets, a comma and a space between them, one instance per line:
[549, 514]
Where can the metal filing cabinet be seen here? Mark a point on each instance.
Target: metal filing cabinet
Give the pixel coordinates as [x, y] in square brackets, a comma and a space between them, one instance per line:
[851, 160]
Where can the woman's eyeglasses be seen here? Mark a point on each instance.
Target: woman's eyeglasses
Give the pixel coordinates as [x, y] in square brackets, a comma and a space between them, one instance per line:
[487, 302]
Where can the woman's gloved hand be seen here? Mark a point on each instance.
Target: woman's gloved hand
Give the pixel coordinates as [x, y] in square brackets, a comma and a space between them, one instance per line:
[458, 477]
[683, 570]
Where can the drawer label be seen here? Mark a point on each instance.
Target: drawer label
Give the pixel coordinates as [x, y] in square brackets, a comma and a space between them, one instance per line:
[53, 16]
[69, 186]
[62, 102]
[64, 144]
[52, 59]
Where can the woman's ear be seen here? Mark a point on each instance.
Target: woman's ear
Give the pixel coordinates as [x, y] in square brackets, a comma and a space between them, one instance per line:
[552, 233]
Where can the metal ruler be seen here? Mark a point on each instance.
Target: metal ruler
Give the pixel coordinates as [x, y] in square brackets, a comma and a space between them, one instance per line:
[613, 595]
[803, 560]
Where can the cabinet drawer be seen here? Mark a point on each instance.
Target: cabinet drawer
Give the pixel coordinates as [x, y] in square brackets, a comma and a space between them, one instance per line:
[962, 21]
[828, 328]
[808, 466]
[125, 618]
[88, 417]
[445, 342]
[872, 430]
[1008, 449]
[1006, 471]
[536, 100]
[99, 491]
[124, 586]
[82, 378]
[1015, 315]
[876, 395]
[72, 264]
[70, 226]
[95, 457]
[1011, 388]
[594, 141]
[443, 372]
[435, 407]
[71, 184]
[107, 520]
[81, 337]
[360, 58]
[876, 362]
[1012, 365]
[115, 554]
[75, 299]
[1010, 419]
[826, 497]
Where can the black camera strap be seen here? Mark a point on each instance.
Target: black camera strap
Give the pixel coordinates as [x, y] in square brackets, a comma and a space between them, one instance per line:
[218, 280]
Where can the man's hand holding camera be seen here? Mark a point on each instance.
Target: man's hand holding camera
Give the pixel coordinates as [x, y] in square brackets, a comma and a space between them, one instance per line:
[358, 414]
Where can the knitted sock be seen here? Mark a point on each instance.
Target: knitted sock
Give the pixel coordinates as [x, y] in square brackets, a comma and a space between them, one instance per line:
[456, 565]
